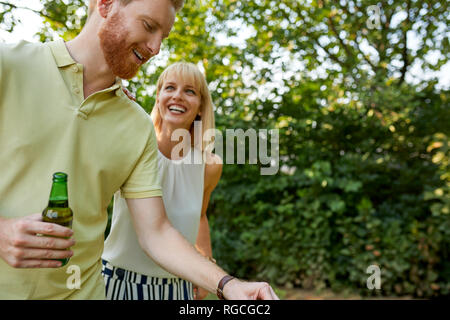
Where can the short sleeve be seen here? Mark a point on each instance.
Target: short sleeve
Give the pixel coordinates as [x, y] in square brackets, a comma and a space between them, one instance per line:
[144, 181]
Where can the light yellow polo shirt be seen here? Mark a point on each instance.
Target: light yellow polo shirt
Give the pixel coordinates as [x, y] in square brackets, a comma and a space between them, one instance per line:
[104, 143]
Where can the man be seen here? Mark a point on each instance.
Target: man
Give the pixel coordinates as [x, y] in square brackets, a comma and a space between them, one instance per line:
[61, 109]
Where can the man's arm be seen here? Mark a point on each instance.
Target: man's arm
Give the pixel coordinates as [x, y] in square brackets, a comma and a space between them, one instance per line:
[167, 247]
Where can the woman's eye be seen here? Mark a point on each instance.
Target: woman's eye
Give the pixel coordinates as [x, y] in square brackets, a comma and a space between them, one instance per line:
[169, 88]
[190, 91]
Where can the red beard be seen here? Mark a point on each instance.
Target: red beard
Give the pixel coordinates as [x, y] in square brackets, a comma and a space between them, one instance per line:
[116, 49]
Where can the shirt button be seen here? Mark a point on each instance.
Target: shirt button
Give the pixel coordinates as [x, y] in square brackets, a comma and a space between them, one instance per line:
[75, 69]
[76, 90]
[80, 114]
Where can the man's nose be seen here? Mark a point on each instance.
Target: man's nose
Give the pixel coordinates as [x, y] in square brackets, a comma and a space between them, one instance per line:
[154, 45]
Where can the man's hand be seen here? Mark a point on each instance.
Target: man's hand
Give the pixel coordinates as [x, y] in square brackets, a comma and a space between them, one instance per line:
[21, 247]
[241, 290]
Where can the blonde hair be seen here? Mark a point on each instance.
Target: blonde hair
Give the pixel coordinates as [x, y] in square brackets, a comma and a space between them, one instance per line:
[189, 72]
[177, 4]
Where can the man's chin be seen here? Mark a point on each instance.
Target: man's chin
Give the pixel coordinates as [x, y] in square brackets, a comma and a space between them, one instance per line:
[125, 75]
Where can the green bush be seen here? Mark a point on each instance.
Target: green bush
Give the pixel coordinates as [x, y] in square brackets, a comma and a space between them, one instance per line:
[371, 186]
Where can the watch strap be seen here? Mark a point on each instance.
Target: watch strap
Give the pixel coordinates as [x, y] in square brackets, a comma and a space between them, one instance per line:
[222, 284]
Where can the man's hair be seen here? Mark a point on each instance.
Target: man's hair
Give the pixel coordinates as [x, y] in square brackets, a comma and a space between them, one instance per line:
[177, 4]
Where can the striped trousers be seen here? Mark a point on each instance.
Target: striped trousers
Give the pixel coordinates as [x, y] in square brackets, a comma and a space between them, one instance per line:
[123, 284]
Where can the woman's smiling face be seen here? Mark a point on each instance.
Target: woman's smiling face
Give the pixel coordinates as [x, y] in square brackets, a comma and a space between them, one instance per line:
[179, 101]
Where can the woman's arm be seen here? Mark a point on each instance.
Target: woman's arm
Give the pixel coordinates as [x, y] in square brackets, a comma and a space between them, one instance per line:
[213, 171]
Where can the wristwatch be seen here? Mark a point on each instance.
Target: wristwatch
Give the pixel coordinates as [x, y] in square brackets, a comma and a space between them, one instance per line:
[222, 283]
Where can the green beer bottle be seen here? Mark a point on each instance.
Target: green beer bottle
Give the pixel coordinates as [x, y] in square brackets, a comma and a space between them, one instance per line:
[58, 210]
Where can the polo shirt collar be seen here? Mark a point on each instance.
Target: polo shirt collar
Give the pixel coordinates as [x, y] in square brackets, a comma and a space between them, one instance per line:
[63, 59]
[60, 53]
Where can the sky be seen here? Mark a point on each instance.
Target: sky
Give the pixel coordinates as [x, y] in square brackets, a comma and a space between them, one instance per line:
[31, 24]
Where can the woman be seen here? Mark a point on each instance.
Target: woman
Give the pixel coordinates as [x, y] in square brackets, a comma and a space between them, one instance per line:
[188, 176]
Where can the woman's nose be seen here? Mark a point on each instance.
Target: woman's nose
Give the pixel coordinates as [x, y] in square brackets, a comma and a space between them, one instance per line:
[177, 94]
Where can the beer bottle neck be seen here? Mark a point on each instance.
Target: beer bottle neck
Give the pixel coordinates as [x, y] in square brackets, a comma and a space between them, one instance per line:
[58, 195]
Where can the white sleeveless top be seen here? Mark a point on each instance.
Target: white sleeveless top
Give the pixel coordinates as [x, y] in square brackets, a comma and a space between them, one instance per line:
[182, 187]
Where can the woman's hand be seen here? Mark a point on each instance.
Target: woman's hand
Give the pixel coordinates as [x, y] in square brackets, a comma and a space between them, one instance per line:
[129, 94]
[200, 293]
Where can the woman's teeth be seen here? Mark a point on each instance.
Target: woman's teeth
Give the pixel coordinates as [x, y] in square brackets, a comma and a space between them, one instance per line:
[177, 109]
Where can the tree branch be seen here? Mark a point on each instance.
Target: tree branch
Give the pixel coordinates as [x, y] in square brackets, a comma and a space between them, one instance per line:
[405, 45]
[343, 45]
[13, 6]
[346, 47]
[330, 55]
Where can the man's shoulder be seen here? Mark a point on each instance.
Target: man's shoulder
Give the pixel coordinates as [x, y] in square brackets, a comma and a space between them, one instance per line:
[21, 53]
[135, 113]
[21, 47]
[140, 110]
[133, 107]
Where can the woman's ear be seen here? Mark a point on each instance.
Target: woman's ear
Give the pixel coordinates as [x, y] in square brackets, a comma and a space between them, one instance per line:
[159, 106]
[104, 7]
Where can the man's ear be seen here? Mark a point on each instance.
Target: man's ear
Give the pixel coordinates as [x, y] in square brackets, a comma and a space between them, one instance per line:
[104, 7]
